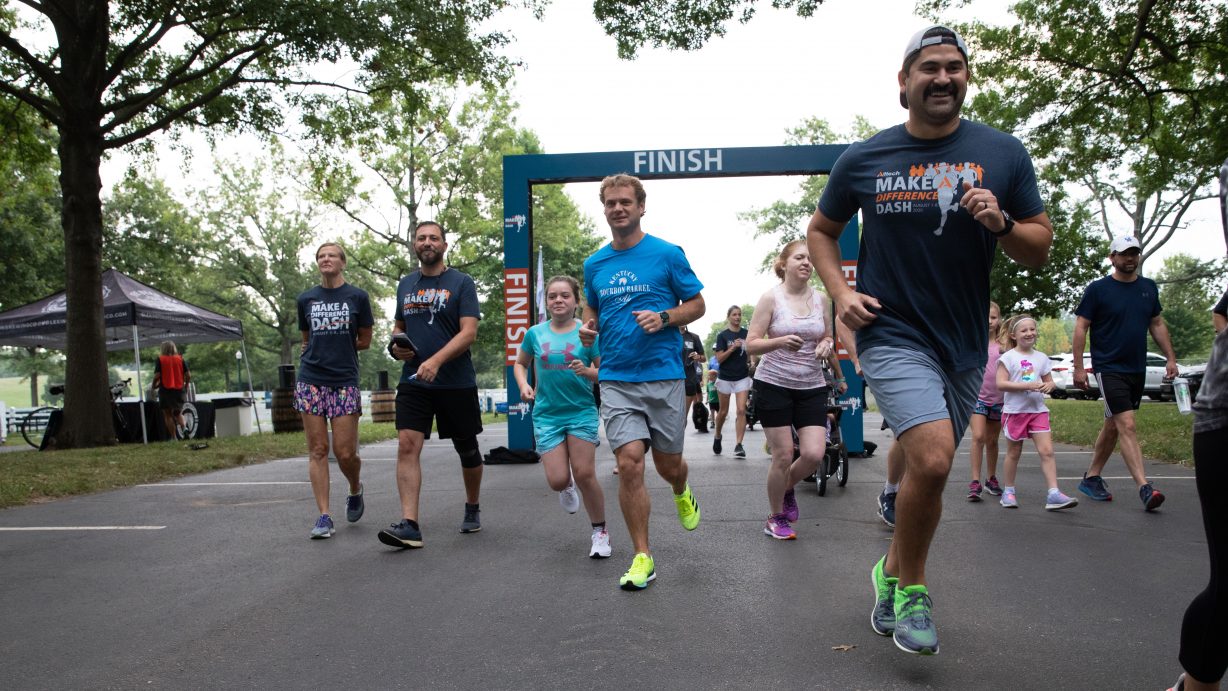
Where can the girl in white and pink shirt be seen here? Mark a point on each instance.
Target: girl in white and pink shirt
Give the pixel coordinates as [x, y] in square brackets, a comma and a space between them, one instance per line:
[1024, 378]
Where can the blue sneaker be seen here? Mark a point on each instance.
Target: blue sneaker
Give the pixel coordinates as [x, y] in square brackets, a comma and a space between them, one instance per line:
[323, 529]
[914, 622]
[882, 617]
[1095, 488]
[886, 507]
[1152, 498]
[402, 534]
[354, 506]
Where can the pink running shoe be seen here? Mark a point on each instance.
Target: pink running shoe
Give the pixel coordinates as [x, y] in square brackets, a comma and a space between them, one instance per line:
[974, 490]
[992, 486]
[790, 506]
[779, 528]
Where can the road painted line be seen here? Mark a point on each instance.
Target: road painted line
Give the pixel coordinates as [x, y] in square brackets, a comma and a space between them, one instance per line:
[80, 527]
[1127, 477]
[223, 484]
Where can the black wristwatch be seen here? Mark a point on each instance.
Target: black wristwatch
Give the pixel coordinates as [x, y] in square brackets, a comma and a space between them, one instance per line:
[664, 317]
[1010, 225]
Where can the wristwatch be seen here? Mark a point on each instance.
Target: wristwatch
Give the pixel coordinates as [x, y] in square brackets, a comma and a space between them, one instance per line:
[1010, 225]
[664, 317]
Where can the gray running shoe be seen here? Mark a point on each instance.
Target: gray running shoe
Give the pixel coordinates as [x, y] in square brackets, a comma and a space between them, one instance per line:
[914, 621]
[882, 617]
[403, 534]
[471, 523]
[323, 528]
[354, 506]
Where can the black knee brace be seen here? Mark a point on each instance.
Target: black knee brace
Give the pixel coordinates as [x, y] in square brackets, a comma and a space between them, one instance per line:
[467, 449]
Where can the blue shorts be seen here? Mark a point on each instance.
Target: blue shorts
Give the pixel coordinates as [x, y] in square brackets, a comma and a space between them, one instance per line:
[992, 411]
[912, 389]
[550, 433]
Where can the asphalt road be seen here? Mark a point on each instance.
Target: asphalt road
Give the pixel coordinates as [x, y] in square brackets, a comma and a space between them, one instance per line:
[215, 584]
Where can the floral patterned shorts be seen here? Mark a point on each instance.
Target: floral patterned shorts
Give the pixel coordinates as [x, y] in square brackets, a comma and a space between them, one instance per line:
[327, 401]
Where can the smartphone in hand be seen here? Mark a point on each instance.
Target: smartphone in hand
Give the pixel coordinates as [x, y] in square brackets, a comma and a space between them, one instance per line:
[402, 339]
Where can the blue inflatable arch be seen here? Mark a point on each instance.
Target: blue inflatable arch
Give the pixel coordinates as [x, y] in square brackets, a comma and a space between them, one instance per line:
[520, 173]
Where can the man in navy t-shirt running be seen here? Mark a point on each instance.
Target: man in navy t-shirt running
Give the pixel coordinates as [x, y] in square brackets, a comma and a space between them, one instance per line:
[937, 195]
[1120, 309]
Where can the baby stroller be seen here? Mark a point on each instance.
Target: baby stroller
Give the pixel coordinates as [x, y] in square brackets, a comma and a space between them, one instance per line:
[835, 461]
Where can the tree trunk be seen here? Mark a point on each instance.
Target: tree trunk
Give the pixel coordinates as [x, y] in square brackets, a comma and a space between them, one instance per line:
[87, 401]
[34, 389]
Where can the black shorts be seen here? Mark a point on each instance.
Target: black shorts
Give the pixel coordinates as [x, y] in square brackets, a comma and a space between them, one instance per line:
[170, 399]
[1122, 391]
[692, 388]
[776, 406]
[455, 411]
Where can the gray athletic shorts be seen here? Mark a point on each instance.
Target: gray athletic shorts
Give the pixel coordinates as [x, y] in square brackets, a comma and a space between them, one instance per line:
[912, 389]
[652, 411]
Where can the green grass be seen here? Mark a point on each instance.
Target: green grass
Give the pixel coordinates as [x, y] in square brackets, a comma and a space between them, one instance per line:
[16, 393]
[32, 476]
[1164, 434]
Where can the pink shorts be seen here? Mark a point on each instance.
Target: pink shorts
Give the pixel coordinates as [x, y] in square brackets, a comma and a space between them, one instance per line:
[1020, 426]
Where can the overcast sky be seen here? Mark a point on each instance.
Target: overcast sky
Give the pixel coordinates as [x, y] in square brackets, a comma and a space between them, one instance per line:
[744, 89]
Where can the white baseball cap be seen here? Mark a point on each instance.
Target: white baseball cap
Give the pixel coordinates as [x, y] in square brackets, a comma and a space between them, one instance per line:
[1124, 243]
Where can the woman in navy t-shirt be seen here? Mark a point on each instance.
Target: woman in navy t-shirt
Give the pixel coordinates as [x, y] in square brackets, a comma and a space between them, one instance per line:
[335, 320]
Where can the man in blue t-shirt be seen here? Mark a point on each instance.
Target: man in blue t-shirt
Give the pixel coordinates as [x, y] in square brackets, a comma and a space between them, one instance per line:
[437, 310]
[937, 195]
[1120, 309]
[638, 290]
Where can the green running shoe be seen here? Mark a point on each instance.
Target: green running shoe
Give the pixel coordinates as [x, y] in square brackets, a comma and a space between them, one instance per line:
[882, 617]
[640, 574]
[688, 508]
[914, 623]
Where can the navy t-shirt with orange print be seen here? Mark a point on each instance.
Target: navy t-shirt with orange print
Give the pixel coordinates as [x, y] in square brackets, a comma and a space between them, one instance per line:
[431, 308]
[923, 256]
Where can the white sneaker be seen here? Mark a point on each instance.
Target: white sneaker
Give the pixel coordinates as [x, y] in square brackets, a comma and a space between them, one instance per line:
[601, 544]
[570, 498]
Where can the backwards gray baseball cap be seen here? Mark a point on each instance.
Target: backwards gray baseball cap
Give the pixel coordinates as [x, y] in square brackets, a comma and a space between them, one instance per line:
[930, 36]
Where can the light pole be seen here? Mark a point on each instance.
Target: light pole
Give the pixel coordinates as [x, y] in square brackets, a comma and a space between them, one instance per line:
[239, 368]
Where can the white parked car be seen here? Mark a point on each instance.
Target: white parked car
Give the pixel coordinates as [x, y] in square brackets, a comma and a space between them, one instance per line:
[1063, 377]
[1153, 387]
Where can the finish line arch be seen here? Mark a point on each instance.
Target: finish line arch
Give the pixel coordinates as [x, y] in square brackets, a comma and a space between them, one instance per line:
[521, 172]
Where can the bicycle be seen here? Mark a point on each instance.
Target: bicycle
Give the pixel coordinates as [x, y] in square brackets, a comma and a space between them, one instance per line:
[34, 425]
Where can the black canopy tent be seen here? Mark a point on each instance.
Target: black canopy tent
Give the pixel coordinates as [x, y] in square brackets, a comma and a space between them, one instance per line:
[134, 313]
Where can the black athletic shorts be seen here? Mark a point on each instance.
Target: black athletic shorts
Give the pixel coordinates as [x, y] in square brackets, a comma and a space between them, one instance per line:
[455, 411]
[776, 406]
[691, 387]
[170, 399]
[1122, 391]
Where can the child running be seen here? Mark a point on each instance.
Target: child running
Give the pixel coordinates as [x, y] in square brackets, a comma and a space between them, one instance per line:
[1024, 378]
[986, 417]
[564, 411]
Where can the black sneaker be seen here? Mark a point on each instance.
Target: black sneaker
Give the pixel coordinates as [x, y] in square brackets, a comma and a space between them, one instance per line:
[404, 535]
[354, 506]
[738, 451]
[471, 523]
[716, 444]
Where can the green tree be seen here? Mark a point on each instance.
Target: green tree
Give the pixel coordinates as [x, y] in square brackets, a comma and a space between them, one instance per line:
[152, 236]
[437, 155]
[29, 207]
[107, 76]
[1123, 98]
[1053, 335]
[257, 230]
[679, 25]
[1188, 290]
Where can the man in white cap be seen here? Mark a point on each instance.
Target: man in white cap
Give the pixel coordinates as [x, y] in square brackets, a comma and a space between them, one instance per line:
[938, 195]
[1120, 309]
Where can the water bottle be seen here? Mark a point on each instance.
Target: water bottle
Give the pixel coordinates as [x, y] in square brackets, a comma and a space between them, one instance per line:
[1181, 391]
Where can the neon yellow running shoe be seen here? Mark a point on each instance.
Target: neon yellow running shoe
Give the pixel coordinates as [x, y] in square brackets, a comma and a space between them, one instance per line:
[640, 574]
[688, 508]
